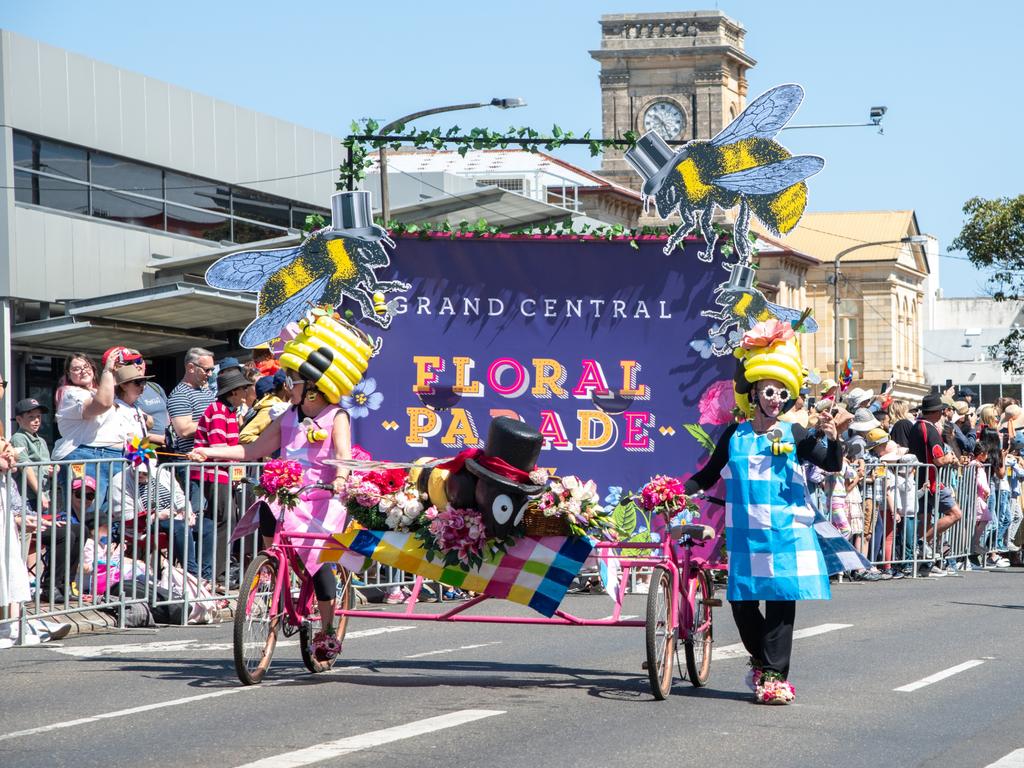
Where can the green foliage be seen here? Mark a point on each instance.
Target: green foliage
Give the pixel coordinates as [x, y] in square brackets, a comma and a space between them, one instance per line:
[314, 221]
[993, 238]
[359, 144]
[698, 433]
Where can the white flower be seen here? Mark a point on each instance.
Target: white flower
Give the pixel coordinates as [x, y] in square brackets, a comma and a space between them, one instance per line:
[570, 482]
[538, 476]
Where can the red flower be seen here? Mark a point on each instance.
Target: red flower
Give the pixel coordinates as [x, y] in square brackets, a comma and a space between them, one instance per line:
[388, 480]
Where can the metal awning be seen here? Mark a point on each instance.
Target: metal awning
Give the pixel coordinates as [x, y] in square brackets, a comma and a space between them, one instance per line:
[61, 335]
[182, 306]
[499, 207]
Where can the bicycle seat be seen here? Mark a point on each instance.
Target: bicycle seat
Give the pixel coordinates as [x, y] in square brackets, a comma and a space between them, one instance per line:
[695, 532]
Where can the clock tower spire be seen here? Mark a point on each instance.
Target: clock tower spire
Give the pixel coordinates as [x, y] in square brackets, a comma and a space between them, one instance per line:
[681, 74]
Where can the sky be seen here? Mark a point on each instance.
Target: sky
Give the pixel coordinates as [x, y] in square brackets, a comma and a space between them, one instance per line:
[945, 72]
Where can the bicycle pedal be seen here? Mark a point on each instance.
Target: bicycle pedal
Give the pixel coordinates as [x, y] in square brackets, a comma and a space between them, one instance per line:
[713, 602]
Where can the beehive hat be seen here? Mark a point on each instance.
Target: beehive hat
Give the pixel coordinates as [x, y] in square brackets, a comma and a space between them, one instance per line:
[329, 352]
[769, 350]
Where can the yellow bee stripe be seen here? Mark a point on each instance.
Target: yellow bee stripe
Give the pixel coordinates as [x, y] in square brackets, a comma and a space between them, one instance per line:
[341, 339]
[344, 265]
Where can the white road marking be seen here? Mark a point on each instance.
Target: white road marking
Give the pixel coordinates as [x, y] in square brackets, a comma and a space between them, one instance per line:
[1013, 760]
[193, 645]
[737, 651]
[350, 744]
[137, 710]
[451, 650]
[910, 687]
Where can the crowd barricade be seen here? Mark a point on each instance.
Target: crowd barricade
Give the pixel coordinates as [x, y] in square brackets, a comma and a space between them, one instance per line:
[899, 515]
[160, 536]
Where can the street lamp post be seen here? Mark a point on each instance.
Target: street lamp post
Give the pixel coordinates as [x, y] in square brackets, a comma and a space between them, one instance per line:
[911, 240]
[385, 211]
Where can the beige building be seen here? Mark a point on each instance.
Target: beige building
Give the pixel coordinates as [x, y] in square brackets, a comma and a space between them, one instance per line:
[883, 292]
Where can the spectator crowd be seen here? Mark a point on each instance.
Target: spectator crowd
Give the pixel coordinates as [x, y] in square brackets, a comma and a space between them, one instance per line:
[925, 489]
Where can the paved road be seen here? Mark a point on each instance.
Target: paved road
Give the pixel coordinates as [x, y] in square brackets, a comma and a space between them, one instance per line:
[499, 695]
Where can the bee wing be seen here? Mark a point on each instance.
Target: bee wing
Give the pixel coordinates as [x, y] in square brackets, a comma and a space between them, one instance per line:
[790, 315]
[763, 117]
[771, 178]
[248, 270]
[268, 325]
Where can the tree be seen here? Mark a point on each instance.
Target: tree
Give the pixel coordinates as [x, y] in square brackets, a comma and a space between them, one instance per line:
[993, 238]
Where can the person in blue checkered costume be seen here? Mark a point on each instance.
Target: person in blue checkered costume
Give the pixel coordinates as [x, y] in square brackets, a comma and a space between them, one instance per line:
[774, 553]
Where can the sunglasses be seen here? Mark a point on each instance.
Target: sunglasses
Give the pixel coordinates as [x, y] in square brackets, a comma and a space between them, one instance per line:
[89, 495]
[772, 393]
[3, 383]
[137, 382]
[205, 370]
[136, 360]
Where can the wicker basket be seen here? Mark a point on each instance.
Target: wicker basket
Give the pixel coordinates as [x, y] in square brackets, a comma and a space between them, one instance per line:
[536, 523]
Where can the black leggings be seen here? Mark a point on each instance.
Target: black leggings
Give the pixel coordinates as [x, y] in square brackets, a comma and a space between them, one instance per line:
[768, 638]
[325, 584]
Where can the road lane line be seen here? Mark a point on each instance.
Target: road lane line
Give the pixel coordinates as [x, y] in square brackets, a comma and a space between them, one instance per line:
[193, 645]
[137, 710]
[350, 744]
[737, 651]
[451, 650]
[924, 681]
[1013, 760]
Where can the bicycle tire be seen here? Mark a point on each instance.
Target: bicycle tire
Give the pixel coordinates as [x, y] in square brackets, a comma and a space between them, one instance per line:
[661, 635]
[345, 600]
[255, 636]
[697, 645]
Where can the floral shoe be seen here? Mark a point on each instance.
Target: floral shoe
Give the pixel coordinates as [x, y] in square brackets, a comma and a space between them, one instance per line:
[324, 647]
[754, 673]
[773, 689]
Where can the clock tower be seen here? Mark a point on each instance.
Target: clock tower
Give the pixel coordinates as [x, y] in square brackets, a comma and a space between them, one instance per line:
[681, 74]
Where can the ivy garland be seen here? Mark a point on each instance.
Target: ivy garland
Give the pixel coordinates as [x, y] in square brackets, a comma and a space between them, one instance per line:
[359, 143]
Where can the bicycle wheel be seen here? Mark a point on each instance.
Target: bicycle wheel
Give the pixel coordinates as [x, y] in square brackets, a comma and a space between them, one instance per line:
[697, 640]
[306, 630]
[255, 626]
[661, 635]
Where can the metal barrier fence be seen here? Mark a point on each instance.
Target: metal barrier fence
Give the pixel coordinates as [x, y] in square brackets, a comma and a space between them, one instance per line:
[908, 527]
[129, 535]
[158, 536]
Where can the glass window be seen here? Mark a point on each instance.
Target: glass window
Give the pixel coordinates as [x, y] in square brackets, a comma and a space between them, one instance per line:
[127, 177]
[989, 393]
[200, 193]
[26, 151]
[260, 207]
[63, 161]
[208, 226]
[250, 233]
[1012, 390]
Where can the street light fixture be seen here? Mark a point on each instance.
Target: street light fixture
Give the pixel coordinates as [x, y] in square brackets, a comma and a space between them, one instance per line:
[385, 212]
[875, 115]
[910, 240]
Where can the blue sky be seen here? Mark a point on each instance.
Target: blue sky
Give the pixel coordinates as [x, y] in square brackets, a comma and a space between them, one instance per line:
[945, 71]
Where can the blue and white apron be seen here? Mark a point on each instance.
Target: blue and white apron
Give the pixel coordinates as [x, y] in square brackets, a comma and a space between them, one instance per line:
[769, 525]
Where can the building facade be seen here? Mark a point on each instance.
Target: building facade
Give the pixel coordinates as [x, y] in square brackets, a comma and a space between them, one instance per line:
[682, 74]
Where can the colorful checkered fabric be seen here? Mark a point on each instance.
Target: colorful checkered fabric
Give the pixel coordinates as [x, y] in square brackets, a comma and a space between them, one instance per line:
[535, 571]
[769, 526]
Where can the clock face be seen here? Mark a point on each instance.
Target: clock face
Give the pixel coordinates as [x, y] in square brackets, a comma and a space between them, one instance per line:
[665, 118]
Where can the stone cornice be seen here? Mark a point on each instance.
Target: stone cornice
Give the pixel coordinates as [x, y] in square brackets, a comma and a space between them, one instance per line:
[610, 54]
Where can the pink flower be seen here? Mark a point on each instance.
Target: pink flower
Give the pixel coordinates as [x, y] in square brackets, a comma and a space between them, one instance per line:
[662, 490]
[717, 402]
[767, 333]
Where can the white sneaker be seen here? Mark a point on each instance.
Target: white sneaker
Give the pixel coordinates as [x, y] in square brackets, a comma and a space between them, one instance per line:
[926, 551]
[395, 596]
[1002, 562]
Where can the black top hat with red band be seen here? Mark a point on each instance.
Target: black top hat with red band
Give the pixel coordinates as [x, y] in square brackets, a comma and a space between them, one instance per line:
[509, 456]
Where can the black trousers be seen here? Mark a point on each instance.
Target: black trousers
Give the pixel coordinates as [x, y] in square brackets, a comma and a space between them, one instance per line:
[769, 637]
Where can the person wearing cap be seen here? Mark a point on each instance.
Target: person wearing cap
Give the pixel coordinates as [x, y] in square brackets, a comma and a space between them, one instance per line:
[962, 432]
[273, 394]
[940, 509]
[858, 398]
[219, 427]
[881, 486]
[829, 389]
[32, 447]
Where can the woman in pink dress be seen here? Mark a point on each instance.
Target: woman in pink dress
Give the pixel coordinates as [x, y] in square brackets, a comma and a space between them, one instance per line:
[311, 430]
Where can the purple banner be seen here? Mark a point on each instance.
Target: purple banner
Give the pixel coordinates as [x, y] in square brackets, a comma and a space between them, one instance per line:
[587, 341]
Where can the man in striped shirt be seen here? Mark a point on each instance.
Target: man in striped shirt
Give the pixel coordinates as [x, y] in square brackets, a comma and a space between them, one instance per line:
[186, 405]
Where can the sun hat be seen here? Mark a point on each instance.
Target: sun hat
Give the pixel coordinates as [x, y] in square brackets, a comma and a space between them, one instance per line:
[932, 402]
[864, 421]
[856, 396]
[828, 384]
[127, 373]
[230, 379]
[876, 437]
